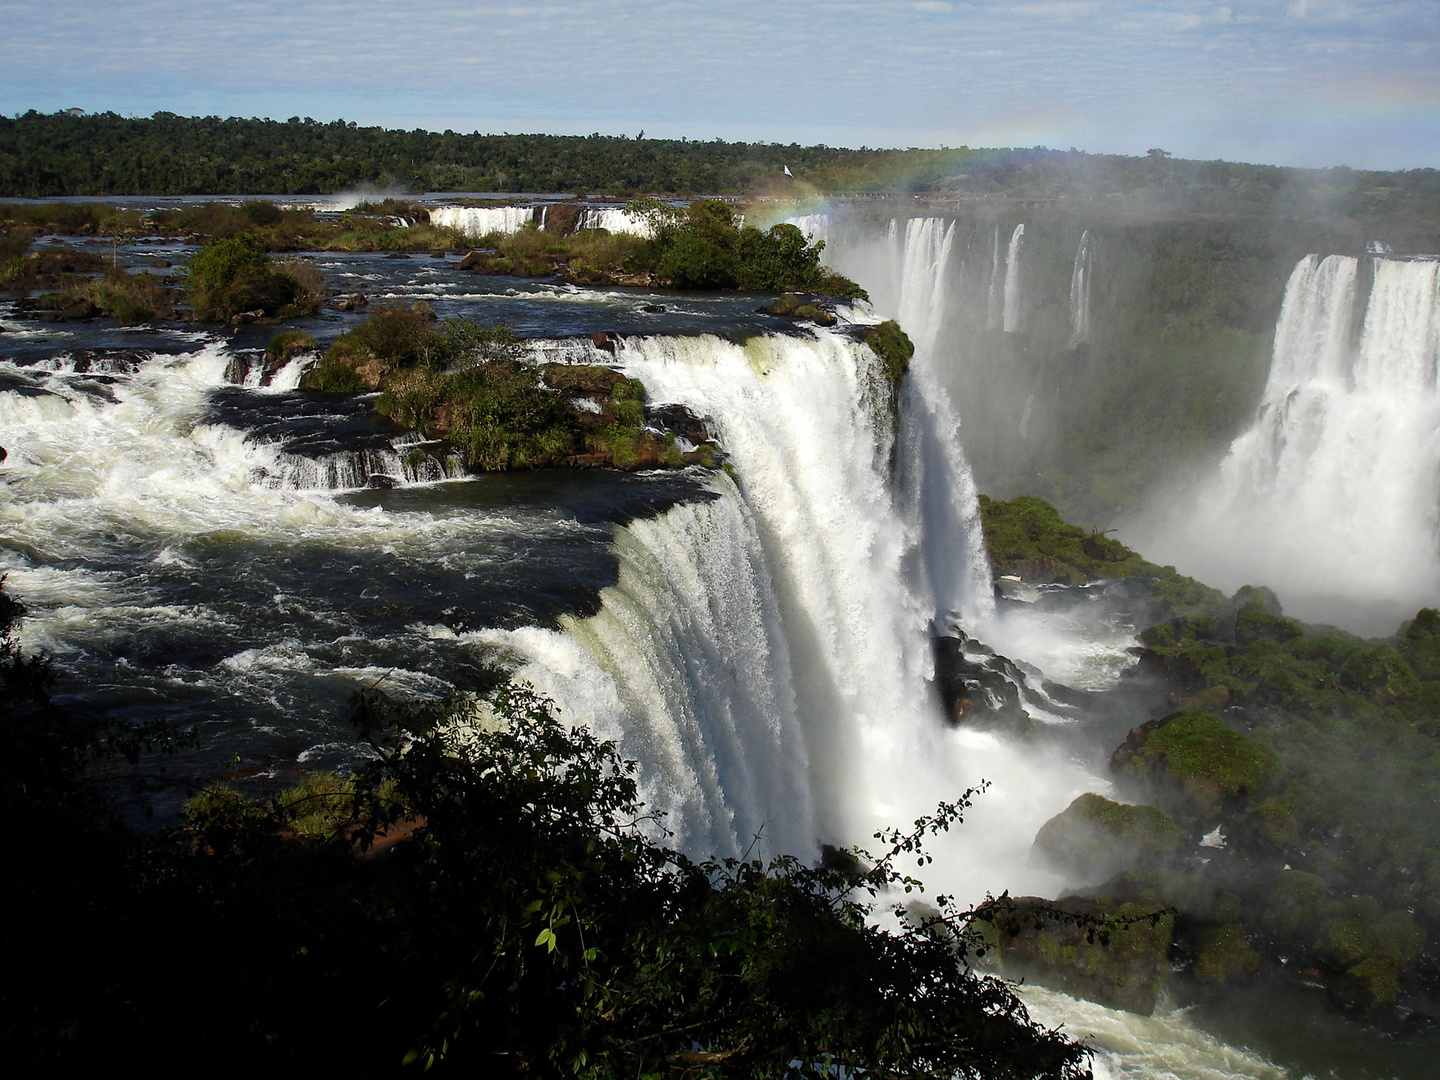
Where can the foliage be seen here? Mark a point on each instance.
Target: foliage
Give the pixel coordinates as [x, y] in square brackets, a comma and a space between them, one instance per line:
[233, 275]
[707, 248]
[521, 919]
[893, 347]
[287, 345]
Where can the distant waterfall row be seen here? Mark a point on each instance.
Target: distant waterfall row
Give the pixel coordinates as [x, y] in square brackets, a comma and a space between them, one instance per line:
[478, 221]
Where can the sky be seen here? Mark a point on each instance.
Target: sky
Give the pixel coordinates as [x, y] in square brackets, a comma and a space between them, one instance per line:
[1295, 82]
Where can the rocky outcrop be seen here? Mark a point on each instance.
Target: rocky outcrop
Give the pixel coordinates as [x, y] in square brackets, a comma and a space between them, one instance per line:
[1118, 957]
[1094, 838]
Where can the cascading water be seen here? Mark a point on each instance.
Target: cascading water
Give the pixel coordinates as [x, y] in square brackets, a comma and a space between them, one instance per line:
[995, 308]
[1080, 293]
[1011, 320]
[482, 220]
[1330, 496]
[616, 220]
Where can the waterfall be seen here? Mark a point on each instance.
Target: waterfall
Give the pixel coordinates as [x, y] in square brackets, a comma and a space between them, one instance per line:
[934, 479]
[1080, 293]
[1333, 489]
[480, 221]
[616, 220]
[1011, 320]
[994, 309]
[814, 226]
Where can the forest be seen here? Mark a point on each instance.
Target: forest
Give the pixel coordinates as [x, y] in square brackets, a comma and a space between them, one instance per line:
[82, 154]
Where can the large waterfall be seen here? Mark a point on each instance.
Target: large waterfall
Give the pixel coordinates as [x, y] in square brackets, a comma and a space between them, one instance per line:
[1332, 492]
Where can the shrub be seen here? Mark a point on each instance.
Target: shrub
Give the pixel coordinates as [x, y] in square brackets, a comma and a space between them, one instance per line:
[235, 274]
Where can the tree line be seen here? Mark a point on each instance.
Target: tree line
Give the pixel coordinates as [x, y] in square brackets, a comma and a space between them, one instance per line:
[78, 154]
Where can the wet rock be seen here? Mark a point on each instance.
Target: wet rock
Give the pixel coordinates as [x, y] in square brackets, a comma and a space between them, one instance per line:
[397, 255]
[979, 688]
[604, 340]
[655, 309]
[246, 317]
[679, 421]
[472, 261]
[424, 310]
[82, 311]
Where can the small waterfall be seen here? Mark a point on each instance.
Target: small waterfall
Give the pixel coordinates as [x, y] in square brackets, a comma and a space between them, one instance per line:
[995, 307]
[616, 220]
[404, 461]
[1333, 489]
[480, 221]
[1011, 320]
[1080, 293]
[814, 226]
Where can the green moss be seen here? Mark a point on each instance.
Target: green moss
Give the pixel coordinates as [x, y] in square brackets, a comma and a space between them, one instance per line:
[1094, 837]
[893, 347]
[1225, 956]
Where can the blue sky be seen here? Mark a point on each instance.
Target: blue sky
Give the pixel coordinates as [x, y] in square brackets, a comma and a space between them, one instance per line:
[1297, 82]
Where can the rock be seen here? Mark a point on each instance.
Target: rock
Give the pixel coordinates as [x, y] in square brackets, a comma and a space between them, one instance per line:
[424, 310]
[655, 309]
[81, 311]
[246, 317]
[380, 480]
[604, 340]
[1194, 765]
[471, 261]
[679, 421]
[1094, 838]
[1119, 958]
[1224, 956]
[977, 688]
[397, 255]
[4, 453]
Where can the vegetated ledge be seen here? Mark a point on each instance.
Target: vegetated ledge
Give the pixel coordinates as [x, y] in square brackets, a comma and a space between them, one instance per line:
[1284, 824]
[473, 387]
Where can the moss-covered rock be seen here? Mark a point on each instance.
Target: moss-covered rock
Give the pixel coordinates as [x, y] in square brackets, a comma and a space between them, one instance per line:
[1094, 838]
[894, 348]
[1118, 957]
[1225, 956]
[1192, 763]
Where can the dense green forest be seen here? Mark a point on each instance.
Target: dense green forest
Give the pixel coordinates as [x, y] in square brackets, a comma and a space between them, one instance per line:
[67, 154]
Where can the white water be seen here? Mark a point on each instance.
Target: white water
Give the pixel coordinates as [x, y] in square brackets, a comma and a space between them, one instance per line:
[480, 221]
[1080, 293]
[1331, 496]
[615, 220]
[1011, 321]
[995, 308]
[814, 226]
[765, 657]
